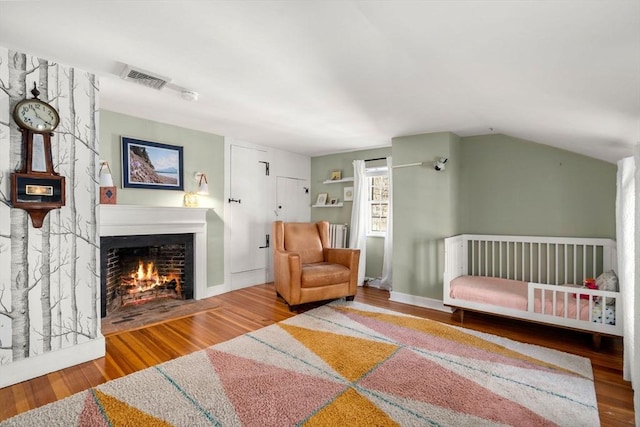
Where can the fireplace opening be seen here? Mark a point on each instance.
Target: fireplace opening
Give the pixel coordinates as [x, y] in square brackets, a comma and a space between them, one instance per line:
[143, 268]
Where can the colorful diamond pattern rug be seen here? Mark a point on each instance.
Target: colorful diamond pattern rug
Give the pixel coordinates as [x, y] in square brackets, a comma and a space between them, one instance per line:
[344, 364]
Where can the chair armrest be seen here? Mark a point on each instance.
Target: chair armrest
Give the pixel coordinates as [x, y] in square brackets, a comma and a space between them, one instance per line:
[347, 257]
[350, 258]
[287, 274]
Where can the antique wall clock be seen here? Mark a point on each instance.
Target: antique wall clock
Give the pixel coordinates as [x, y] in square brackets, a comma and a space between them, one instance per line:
[36, 187]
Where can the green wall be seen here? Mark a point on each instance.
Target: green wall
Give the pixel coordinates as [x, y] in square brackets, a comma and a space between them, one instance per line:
[375, 257]
[321, 168]
[512, 186]
[203, 152]
[425, 211]
[493, 184]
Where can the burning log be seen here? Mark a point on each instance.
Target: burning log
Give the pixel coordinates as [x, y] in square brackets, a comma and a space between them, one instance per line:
[145, 283]
[172, 284]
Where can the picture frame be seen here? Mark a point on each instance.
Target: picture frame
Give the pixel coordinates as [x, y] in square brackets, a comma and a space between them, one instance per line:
[336, 175]
[322, 199]
[348, 194]
[152, 165]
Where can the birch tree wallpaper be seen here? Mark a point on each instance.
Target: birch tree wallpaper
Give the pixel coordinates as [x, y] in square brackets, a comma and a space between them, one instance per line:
[49, 276]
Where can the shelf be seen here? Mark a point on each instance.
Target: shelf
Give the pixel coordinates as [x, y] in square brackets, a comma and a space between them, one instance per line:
[337, 205]
[336, 181]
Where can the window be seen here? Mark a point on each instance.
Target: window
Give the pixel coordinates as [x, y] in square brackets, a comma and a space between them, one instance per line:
[378, 198]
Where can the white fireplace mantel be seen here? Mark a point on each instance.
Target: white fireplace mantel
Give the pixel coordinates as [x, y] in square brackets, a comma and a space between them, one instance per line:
[133, 220]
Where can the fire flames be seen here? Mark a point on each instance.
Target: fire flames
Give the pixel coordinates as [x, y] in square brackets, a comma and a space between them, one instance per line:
[151, 273]
[146, 278]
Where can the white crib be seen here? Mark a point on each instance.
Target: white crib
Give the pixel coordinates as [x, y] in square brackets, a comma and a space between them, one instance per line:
[551, 269]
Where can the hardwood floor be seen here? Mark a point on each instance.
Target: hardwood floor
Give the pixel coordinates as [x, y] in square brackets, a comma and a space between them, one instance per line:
[248, 309]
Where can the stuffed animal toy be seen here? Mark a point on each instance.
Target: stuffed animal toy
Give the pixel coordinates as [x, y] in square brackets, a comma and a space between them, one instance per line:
[589, 284]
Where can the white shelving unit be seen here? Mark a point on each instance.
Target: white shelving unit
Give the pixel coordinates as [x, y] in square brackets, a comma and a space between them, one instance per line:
[337, 205]
[336, 181]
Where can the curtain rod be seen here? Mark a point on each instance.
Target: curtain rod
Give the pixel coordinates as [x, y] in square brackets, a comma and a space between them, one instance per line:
[373, 160]
[406, 165]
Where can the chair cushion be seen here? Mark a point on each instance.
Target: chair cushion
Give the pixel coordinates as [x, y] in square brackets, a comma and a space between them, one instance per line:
[323, 273]
[303, 237]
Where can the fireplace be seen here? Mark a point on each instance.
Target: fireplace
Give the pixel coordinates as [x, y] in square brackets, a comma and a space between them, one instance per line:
[174, 239]
[138, 269]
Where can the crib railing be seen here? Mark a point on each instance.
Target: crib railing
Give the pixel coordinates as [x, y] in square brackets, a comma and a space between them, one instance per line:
[554, 293]
[547, 264]
[551, 260]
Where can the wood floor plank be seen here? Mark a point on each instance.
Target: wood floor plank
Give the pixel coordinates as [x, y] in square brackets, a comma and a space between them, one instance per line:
[74, 377]
[92, 372]
[235, 313]
[23, 395]
[8, 402]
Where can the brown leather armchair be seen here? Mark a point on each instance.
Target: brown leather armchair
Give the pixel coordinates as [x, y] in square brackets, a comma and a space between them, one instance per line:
[306, 269]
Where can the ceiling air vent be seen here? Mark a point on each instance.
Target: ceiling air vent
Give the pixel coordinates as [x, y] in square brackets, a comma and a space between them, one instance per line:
[143, 77]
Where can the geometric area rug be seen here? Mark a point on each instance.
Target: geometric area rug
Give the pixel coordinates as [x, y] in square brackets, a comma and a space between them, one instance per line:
[344, 364]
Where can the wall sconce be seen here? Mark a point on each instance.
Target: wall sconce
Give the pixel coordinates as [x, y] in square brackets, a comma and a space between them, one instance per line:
[108, 193]
[106, 179]
[203, 184]
[440, 164]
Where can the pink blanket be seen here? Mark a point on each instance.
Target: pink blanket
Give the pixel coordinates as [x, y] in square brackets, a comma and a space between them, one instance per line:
[513, 294]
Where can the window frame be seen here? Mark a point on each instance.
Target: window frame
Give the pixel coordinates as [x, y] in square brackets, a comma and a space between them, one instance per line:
[369, 173]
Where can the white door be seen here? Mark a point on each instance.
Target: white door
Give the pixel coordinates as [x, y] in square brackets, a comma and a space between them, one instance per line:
[292, 199]
[248, 206]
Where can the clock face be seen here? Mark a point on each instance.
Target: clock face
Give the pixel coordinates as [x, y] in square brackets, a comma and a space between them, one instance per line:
[36, 115]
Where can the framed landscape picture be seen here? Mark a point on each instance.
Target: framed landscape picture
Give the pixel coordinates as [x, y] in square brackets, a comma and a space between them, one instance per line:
[147, 164]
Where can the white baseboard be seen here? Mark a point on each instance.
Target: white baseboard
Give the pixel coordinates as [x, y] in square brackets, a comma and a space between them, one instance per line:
[245, 279]
[35, 366]
[431, 303]
[212, 291]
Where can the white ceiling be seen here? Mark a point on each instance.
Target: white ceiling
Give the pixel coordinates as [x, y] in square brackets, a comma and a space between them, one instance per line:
[319, 77]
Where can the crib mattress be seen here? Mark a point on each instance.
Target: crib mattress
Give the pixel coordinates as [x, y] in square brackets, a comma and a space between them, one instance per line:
[510, 293]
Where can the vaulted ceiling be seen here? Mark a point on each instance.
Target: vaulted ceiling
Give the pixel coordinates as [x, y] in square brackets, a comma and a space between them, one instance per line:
[318, 77]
